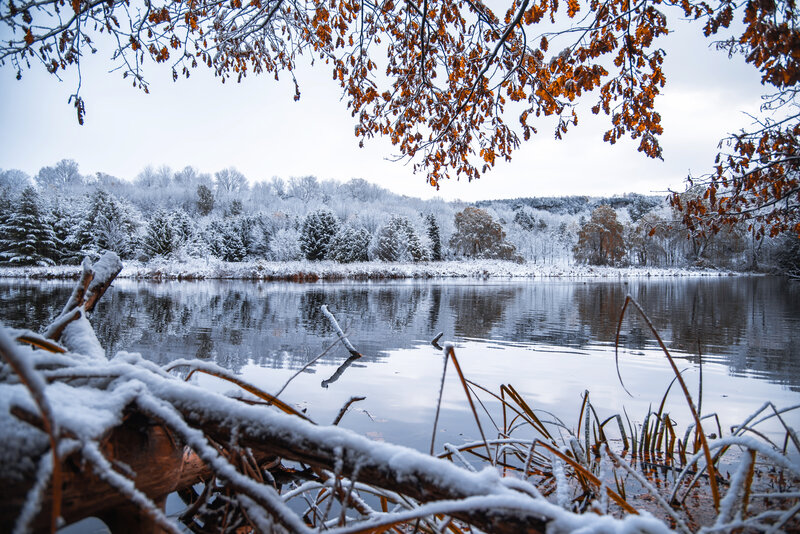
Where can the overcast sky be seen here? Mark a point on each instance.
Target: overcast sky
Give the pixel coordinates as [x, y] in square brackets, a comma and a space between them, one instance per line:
[258, 128]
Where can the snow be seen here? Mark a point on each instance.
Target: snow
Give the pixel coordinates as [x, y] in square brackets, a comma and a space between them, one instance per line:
[104, 270]
[79, 337]
[305, 271]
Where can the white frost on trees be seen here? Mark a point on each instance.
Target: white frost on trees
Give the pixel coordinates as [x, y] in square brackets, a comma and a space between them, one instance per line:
[26, 237]
[398, 241]
[349, 245]
[318, 230]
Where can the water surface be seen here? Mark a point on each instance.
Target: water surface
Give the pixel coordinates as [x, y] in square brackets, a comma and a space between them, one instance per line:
[551, 339]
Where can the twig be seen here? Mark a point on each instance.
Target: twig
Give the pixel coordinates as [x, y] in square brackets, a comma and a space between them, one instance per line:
[435, 341]
[344, 409]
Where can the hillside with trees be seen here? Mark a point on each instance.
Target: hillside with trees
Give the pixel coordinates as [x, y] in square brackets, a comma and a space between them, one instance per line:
[60, 216]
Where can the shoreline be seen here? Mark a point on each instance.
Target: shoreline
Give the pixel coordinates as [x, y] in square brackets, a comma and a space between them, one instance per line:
[306, 271]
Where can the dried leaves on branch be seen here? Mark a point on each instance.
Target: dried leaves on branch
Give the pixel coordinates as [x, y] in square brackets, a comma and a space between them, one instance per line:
[456, 84]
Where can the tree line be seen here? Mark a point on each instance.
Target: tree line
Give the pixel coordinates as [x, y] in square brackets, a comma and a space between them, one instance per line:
[60, 216]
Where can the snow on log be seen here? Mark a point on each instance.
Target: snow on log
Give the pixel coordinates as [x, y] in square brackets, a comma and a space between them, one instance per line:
[95, 280]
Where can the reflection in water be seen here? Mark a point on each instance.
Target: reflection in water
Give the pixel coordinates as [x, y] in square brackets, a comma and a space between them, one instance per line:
[340, 370]
[751, 325]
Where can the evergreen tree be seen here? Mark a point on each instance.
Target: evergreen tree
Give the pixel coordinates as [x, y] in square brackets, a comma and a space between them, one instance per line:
[398, 241]
[108, 224]
[161, 238]
[66, 218]
[205, 200]
[27, 237]
[350, 245]
[183, 225]
[225, 239]
[235, 249]
[435, 237]
[319, 227]
[788, 256]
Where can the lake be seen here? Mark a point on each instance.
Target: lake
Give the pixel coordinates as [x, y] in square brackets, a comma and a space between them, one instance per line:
[552, 339]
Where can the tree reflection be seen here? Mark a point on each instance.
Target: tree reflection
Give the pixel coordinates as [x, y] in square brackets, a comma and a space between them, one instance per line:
[478, 309]
[752, 325]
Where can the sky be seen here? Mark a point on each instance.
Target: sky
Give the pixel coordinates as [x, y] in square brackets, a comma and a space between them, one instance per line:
[257, 127]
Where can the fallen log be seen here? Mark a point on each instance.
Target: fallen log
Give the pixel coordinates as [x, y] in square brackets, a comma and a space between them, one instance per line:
[139, 448]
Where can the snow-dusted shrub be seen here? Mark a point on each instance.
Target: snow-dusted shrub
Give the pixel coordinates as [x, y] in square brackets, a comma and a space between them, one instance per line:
[349, 245]
[285, 245]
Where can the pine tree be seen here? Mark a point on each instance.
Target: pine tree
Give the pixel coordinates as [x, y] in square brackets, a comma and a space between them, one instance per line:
[161, 238]
[27, 237]
[205, 200]
[349, 245]
[319, 227]
[235, 249]
[435, 238]
[398, 241]
[108, 224]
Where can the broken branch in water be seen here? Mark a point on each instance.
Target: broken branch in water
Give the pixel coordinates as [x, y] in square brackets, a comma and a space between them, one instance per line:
[346, 342]
[95, 280]
[344, 409]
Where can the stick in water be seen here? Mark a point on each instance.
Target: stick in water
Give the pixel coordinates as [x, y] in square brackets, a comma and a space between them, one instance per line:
[342, 337]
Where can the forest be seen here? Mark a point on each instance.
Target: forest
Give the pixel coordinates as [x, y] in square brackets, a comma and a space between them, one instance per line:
[59, 216]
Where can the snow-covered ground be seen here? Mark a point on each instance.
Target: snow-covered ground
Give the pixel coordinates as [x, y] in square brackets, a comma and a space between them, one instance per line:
[306, 271]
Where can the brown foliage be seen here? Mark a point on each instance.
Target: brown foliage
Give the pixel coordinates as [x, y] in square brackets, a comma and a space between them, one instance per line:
[478, 235]
[441, 78]
[600, 240]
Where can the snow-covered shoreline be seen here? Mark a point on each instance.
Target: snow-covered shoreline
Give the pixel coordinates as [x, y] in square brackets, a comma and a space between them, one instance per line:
[305, 271]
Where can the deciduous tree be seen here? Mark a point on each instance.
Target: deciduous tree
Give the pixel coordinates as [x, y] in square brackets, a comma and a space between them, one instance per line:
[600, 239]
[62, 174]
[478, 235]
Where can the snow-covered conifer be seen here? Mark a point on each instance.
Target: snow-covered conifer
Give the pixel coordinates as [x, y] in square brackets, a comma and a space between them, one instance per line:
[350, 245]
[27, 237]
[398, 241]
[319, 227]
[228, 240]
[107, 224]
[435, 237]
[161, 237]
[205, 200]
